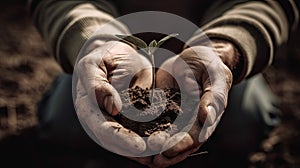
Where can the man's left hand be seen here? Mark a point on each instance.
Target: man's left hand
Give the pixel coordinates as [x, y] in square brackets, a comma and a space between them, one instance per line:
[198, 69]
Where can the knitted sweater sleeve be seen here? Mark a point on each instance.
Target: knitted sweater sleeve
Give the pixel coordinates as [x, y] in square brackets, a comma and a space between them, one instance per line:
[66, 25]
[257, 28]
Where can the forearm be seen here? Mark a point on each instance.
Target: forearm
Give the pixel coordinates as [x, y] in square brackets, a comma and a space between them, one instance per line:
[66, 25]
[256, 29]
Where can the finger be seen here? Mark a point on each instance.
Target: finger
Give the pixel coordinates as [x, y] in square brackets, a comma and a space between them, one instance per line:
[157, 139]
[142, 71]
[114, 137]
[165, 74]
[216, 84]
[187, 72]
[120, 140]
[80, 91]
[143, 79]
[85, 108]
[214, 99]
[211, 108]
[94, 80]
[183, 141]
[185, 144]
[131, 69]
[161, 161]
[80, 103]
[178, 143]
[108, 133]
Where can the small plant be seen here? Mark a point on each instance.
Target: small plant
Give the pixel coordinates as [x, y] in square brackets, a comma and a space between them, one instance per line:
[147, 49]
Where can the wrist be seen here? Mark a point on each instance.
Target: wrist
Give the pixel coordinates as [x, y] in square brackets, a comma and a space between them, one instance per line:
[227, 52]
[230, 56]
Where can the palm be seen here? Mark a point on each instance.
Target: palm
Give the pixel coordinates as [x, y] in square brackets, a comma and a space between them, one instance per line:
[201, 74]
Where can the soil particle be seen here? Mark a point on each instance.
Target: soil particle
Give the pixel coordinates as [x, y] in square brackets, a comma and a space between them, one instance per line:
[145, 117]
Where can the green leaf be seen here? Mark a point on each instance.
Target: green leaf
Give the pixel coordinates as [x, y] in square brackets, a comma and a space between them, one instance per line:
[166, 38]
[133, 40]
[152, 46]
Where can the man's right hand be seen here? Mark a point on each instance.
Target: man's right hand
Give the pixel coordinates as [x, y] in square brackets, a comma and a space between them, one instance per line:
[110, 67]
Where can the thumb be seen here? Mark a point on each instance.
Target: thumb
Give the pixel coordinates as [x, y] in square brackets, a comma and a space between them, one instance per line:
[211, 109]
[108, 98]
[165, 76]
[93, 77]
[214, 99]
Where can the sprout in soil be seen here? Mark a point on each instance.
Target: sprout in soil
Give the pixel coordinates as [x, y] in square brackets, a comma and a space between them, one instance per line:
[148, 49]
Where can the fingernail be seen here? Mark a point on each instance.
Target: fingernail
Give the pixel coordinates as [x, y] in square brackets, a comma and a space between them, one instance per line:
[108, 104]
[112, 105]
[211, 116]
[117, 106]
[114, 111]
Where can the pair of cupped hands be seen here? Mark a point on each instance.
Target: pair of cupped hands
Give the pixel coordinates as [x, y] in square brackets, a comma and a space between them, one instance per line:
[104, 70]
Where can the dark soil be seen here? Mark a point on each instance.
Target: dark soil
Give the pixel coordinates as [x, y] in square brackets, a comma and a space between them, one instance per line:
[137, 104]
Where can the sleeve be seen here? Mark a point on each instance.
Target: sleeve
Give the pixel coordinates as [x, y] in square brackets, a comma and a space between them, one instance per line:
[256, 28]
[66, 25]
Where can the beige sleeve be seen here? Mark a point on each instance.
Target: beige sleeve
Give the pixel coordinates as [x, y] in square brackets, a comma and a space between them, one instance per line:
[66, 25]
[257, 28]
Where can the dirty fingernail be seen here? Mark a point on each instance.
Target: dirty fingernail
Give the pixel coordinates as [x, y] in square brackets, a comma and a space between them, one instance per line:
[211, 116]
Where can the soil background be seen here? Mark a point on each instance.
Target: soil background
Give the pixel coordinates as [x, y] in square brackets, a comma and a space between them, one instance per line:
[27, 69]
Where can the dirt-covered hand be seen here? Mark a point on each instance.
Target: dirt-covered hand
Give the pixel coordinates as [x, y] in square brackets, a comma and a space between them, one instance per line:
[108, 68]
[198, 71]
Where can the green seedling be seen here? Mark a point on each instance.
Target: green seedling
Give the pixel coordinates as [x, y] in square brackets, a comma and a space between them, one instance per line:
[147, 49]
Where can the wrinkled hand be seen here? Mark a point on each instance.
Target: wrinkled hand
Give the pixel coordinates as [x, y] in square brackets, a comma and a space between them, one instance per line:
[110, 67]
[198, 71]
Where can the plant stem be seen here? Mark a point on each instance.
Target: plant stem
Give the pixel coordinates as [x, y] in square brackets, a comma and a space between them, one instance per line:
[148, 49]
[151, 55]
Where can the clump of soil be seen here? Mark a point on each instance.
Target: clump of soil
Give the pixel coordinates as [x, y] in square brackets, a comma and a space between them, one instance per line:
[145, 117]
